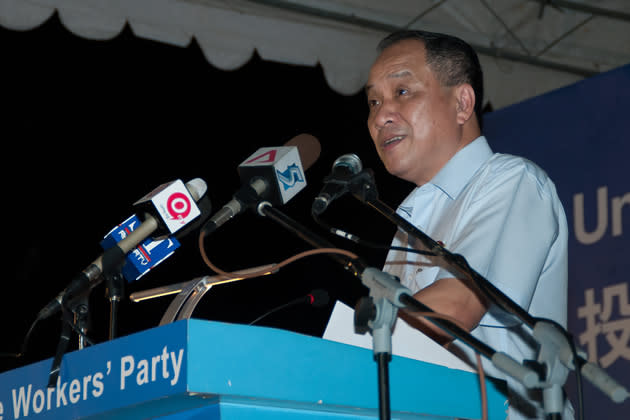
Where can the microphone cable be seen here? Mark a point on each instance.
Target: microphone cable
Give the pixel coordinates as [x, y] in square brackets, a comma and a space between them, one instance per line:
[316, 298]
[274, 267]
[356, 239]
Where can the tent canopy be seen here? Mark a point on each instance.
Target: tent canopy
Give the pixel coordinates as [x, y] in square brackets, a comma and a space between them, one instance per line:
[532, 46]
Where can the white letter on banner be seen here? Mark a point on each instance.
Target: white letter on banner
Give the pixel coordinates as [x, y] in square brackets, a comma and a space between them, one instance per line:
[143, 372]
[164, 363]
[97, 383]
[39, 400]
[617, 217]
[61, 393]
[588, 238]
[22, 402]
[126, 369]
[155, 360]
[177, 365]
[49, 392]
[74, 391]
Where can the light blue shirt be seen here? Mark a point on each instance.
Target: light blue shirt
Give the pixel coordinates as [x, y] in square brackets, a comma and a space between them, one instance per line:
[502, 213]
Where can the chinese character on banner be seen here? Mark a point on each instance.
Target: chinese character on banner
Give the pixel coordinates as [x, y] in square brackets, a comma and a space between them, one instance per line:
[610, 318]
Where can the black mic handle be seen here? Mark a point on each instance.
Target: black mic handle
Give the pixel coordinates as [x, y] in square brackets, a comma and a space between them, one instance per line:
[336, 183]
[333, 188]
[361, 185]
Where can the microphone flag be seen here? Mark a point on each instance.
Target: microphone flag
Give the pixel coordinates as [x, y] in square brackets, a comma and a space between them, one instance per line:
[146, 256]
[282, 164]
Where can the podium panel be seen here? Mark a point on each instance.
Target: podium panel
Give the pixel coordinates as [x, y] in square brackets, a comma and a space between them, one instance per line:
[196, 369]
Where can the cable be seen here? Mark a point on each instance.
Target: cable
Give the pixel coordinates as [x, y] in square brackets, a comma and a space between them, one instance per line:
[356, 239]
[80, 333]
[276, 267]
[27, 338]
[480, 371]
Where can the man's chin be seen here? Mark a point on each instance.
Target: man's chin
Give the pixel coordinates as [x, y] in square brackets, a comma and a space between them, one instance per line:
[397, 171]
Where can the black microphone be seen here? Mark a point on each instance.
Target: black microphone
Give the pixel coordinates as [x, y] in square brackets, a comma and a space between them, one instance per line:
[316, 298]
[168, 208]
[336, 184]
[274, 174]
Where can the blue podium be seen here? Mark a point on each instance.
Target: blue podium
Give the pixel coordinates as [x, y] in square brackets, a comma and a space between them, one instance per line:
[196, 369]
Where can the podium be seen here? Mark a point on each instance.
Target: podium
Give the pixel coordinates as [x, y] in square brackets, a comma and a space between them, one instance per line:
[196, 369]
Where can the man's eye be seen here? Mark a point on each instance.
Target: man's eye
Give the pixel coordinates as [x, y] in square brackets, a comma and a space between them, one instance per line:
[402, 91]
[372, 103]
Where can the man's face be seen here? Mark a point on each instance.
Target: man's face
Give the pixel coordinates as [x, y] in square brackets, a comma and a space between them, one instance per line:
[413, 119]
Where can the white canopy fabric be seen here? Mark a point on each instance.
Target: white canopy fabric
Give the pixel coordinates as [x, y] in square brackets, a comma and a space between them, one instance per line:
[527, 47]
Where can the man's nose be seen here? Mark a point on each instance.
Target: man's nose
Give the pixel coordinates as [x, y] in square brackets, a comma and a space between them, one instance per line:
[385, 114]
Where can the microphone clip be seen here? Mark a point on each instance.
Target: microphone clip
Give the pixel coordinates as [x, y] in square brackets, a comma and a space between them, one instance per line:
[363, 186]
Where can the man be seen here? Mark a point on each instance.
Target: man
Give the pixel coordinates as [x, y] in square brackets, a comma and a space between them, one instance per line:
[500, 212]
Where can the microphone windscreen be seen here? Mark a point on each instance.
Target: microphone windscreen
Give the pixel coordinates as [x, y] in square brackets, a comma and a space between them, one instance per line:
[197, 187]
[319, 298]
[309, 148]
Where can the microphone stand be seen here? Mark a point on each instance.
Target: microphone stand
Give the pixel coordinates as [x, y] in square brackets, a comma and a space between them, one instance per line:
[557, 353]
[74, 299]
[387, 295]
[74, 314]
[115, 283]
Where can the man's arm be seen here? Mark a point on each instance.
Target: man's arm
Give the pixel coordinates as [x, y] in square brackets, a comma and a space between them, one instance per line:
[505, 235]
[450, 297]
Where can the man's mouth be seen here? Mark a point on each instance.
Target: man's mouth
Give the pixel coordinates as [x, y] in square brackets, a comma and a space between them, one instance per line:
[392, 140]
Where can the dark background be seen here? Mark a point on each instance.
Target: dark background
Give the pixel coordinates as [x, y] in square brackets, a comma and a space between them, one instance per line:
[89, 127]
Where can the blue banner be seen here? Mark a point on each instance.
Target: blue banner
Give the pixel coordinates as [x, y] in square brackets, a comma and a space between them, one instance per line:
[580, 136]
[185, 369]
[116, 374]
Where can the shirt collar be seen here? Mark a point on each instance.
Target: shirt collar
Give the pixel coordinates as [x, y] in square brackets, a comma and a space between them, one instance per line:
[458, 171]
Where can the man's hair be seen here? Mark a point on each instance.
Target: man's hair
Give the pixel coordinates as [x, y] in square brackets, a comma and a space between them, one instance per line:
[451, 59]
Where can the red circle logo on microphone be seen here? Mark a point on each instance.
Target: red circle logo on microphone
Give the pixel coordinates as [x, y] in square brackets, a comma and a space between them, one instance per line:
[178, 205]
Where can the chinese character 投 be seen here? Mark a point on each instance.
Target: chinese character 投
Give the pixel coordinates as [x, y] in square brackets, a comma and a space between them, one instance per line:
[600, 320]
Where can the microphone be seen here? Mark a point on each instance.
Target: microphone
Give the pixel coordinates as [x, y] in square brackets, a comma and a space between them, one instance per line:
[169, 208]
[336, 184]
[174, 203]
[316, 298]
[151, 252]
[274, 174]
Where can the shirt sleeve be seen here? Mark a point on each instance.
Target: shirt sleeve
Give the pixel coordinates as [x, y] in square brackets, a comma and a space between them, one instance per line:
[508, 227]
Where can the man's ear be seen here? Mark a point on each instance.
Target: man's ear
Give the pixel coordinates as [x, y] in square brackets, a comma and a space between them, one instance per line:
[465, 100]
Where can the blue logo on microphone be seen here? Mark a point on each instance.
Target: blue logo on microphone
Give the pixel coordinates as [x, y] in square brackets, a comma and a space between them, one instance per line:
[290, 176]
